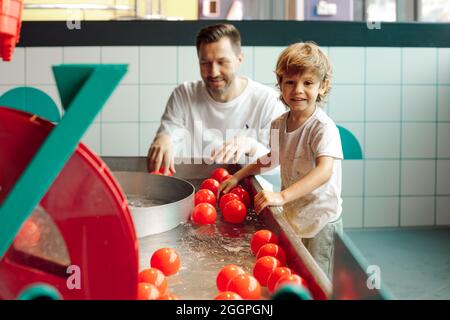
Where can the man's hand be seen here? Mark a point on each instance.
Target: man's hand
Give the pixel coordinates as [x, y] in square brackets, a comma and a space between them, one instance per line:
[160, 154]
[227, 185]
[268, 198]
[232, 150]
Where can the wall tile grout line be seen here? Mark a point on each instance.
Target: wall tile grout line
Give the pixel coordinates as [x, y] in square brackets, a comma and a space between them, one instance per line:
[364, 139]
[399, 223]
[436, 138]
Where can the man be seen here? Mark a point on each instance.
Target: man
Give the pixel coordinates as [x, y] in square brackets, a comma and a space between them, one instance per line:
[224, 116]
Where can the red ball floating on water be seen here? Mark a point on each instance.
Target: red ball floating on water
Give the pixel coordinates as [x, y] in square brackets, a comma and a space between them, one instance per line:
[226, 274]
[292, 279]
[274, 250]
[261, 238]
[210, 184]
[243, 194]
[147, 291]
[226, 198]
[205, 195]
[246, 286]
[220, 174]
[234, 211]
[264, 267]
[228, 295]
[167, 260]
[276, 275]
[155, 277]
[204, 213]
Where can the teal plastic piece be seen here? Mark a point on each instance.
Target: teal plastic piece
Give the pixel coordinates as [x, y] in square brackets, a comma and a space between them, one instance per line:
[84, 90]
[40, 292]
[350, 145]
[292, 292]
[33, 101]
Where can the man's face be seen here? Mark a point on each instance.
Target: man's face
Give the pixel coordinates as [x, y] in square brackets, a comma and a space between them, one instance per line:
[218, 65]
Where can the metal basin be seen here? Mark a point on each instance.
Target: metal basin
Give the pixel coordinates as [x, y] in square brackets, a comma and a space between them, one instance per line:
[157, 203]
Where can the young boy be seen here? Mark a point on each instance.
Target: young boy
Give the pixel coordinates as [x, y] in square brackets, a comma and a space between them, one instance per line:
[305, 142]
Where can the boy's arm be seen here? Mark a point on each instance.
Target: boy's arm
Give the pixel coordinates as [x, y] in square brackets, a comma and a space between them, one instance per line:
[263, 163]
[314, 179]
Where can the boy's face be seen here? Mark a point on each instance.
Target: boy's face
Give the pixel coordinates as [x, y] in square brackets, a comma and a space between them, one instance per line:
[300, 90]
[218, 65]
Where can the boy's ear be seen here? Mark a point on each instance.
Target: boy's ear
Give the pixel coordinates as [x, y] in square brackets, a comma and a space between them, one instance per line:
[324, 86]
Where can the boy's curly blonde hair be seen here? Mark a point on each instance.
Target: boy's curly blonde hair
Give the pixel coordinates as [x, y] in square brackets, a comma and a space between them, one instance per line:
[303, 56]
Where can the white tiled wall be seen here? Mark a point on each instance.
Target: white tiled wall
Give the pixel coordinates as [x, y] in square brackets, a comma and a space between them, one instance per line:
[396, 102]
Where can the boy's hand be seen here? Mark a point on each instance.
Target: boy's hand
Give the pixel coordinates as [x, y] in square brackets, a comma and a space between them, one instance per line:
[233, 149]
[227, 185]
[267, 198]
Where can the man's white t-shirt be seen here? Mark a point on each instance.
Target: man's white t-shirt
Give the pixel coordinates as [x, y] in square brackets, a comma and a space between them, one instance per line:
[297, 152]
[198, 124]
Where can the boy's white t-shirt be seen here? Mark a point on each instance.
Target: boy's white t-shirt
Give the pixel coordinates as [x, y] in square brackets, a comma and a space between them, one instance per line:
[198, 124]
[297, 153]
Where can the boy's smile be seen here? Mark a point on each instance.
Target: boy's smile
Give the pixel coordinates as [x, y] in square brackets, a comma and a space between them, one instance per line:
[300, 91]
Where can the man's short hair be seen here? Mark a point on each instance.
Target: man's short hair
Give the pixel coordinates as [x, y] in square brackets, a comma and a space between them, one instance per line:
[216, 32]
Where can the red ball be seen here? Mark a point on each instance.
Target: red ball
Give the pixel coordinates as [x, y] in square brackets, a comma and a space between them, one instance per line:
[292, 279]
[246, 286]
[273, 250]
[167, 260]
[210, 184]
[161, 172]
[276, 275]
[155, 277]
[264, 267]
[169, 297]
[204, 213]
[28, 235]
[205, 195]
[227, 197]
[243, 194]
[226, 274]
[261, 238]
[228, 295]
[147, 291]
[234, 211]
[219, 174]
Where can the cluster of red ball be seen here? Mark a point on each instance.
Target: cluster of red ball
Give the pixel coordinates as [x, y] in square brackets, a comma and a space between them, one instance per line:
[233, 205]
[269, 270]
[152, 282]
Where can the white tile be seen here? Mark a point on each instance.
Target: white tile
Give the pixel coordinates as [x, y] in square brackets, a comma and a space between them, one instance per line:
[347, 103]
[383, 103]
[419, 65]
[352, 212]
[92, 138]
[13, 72]
[443, 140]
[357, 129]
[419, 103]
[444, 66]
[352, 178]
[381, 212]
[443, 211]
[419, 140]
[444, 103]
[188, 66]
[158, 65]
[123, 55]
[39, 62]
[265, 63]
[120, 139]
[348, 64]
[153, 101]
[383, 65]
[382, 178]
[246, 68]
[147, 134]
[123, 105]
[417, 211]
[443, 177]
[418, 177]
[81, 55]
[382, 140]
